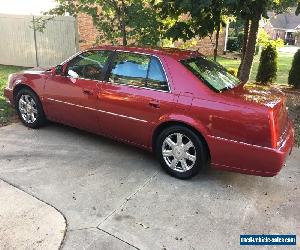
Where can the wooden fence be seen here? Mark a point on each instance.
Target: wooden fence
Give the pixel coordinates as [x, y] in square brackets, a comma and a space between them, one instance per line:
[22, 45]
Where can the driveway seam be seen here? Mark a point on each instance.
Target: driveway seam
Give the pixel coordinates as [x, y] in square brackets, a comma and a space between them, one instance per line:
[122, 205]
[65, 219]
[116, 237]
[129, 198]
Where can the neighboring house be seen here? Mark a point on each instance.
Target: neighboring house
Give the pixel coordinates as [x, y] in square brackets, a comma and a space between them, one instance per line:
[285, 26]
[88, 37]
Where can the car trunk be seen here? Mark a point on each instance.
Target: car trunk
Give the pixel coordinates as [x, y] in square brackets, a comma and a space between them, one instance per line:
[273, 99]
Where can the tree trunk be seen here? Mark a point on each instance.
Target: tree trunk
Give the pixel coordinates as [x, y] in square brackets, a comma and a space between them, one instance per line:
[245, 41]
[250, 49]
[123, 25]
[124, 35]
[120, 11]
[217, 41]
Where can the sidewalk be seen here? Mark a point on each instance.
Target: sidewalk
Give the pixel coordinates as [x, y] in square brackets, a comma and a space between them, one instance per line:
[28, 223]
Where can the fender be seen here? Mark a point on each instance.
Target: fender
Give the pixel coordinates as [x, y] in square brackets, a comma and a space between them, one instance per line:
[34, 81]
[180, 119]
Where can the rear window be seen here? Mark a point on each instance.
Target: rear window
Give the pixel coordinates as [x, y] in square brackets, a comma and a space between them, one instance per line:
[211, 73]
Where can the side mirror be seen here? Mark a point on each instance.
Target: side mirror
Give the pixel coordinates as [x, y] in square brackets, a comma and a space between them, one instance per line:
[72, 74]
[58, 70]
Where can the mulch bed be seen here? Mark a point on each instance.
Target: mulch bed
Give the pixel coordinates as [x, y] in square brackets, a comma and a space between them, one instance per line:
[293, 103]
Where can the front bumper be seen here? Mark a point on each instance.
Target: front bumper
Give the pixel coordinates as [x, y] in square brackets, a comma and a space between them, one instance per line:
[251, 159]
[8, 93]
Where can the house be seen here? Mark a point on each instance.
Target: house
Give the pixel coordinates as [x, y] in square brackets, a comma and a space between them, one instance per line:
[285, 26]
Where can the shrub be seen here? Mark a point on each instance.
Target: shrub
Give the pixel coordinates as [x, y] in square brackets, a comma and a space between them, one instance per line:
[257, 48]
[233, 44]
[267, 69]
[294, 75]
[240, 40]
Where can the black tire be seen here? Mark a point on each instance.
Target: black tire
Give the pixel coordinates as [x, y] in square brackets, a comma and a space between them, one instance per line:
[40, 118]
[199, 148]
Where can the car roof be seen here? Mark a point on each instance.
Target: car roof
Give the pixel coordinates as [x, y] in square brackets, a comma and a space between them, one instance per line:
[177, 54]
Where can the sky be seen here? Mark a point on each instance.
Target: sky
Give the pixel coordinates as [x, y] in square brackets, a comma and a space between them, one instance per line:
[25, 7]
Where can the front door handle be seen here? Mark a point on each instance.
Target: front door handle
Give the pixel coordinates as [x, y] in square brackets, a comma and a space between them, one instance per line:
[154, 104]
[87, 92]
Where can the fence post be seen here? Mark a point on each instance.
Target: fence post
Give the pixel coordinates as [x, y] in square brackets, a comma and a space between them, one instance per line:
[35, 42]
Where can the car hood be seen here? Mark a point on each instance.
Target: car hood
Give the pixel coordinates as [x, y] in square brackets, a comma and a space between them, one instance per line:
[37, 70]
[260, 94]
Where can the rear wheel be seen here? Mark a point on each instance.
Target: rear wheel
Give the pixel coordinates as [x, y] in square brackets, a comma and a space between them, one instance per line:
[29, 108]
[181, 152]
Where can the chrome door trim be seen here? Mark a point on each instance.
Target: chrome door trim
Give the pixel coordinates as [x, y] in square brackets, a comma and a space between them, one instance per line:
[98, 110]
[126, 51]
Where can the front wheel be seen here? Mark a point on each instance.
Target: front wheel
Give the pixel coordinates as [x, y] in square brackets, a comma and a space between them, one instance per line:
[181, 152]
[29, 108]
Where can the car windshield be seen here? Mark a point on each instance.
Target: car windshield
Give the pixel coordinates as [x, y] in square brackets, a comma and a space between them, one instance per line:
[211, 73]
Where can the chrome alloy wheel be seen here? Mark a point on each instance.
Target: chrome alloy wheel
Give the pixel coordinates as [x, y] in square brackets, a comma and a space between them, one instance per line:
[28, 108]
[179, 152]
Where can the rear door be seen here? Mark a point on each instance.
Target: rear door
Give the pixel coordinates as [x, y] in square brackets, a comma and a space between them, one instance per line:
[134, 96]
[72, 97]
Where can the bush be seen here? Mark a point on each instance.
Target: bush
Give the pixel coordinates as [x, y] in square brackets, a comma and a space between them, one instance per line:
[233, 44]
[240, 40]
[267, 69]
[257, 48]
[294, 76]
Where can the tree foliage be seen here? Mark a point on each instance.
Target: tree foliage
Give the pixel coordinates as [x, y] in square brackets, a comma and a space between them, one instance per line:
[267, 69]
[118, 21]
[264, 40]
[294, 75]
[192, 19]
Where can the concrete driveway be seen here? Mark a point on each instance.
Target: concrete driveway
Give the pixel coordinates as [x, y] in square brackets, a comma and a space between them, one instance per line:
[117, 197]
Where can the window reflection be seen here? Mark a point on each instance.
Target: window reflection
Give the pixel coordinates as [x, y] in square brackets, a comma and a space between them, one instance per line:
[211, 73]
[90, 65]
[130, 69]
[138, 70]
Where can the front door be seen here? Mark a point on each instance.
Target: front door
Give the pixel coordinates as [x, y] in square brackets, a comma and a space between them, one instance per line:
[134, 96]
[72, 97]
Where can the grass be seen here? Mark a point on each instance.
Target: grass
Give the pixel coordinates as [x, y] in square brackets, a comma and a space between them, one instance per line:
[7, 113]
[284, 66]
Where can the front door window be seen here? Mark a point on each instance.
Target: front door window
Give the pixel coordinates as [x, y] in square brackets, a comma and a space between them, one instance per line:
[89, 65]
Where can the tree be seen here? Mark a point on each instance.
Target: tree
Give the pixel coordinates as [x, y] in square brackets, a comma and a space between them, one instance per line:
[118, 21]
[267, 69]
[252, 11]
[294, 75]
[190, 19]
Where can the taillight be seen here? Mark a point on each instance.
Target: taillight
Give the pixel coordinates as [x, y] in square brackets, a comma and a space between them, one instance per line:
[274, 132]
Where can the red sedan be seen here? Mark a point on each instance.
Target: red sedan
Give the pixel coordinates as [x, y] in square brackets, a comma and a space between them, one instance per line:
[187, 109]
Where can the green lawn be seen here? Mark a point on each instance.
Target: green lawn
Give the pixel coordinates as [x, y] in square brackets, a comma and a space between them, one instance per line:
[284, 66]
[6, 112]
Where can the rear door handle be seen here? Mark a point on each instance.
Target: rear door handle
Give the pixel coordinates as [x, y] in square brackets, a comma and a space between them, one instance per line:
[87, 92]
[154, 104]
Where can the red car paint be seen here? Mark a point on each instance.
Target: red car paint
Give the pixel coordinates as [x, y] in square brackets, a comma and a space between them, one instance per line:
[246, 129]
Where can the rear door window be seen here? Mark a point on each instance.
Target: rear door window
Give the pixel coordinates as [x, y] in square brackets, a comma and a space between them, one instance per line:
[138, 70]
[130, 69]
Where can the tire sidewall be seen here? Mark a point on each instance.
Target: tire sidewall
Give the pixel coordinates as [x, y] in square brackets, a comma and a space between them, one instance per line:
[40, 116]
[201, 153]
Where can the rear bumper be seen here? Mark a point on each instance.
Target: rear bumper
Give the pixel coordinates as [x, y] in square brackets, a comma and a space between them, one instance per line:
[8, 93]
[251, 159]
